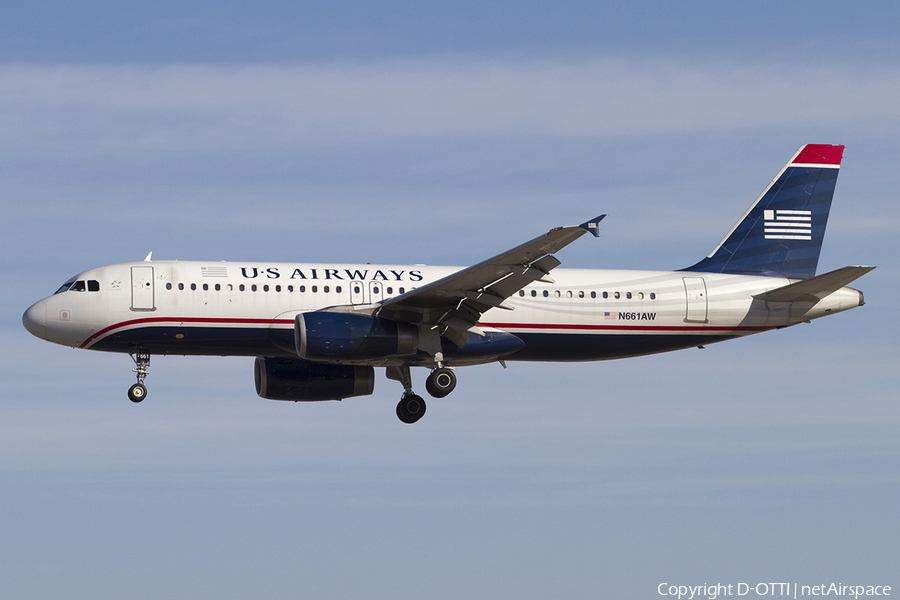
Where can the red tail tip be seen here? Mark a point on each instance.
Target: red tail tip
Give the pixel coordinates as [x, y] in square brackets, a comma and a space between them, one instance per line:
[820, 154]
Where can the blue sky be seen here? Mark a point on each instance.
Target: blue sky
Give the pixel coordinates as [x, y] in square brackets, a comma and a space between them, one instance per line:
[443, 134]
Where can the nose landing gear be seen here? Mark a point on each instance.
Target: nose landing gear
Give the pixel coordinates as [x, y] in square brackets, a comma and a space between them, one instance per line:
[138, 391]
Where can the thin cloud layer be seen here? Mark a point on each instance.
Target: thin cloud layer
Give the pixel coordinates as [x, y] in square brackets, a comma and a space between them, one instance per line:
[190, 108]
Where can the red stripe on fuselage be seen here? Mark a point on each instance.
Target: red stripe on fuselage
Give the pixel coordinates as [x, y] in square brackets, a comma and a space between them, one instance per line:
[503, 326]
[205, 320]
[511, 326]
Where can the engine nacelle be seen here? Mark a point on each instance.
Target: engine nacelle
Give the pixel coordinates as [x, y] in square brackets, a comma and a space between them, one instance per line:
[299, 380]
[334, 336]
[489, 347]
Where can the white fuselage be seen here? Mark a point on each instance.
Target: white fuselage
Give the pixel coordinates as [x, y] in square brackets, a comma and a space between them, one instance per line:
[219, 308]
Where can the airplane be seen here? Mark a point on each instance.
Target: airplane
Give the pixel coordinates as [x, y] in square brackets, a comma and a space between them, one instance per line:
[319, 330]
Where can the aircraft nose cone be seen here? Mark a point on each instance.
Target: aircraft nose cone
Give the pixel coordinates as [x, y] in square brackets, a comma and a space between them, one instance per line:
[35, 320]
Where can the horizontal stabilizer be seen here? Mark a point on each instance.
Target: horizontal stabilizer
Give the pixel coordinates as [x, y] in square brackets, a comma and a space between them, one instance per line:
[816, 288]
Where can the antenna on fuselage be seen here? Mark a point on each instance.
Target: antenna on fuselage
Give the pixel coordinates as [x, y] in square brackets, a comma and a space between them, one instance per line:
[148, 257]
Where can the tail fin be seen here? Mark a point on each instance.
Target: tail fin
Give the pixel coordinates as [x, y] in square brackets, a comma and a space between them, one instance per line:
[781, 233]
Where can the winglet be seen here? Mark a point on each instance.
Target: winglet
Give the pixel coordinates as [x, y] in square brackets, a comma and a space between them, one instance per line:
[593, 226]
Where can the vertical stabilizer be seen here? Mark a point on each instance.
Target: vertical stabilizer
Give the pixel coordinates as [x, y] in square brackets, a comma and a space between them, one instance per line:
[781, 233]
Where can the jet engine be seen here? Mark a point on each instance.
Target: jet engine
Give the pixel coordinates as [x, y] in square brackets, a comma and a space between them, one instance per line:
[299, 380]
[336, 336]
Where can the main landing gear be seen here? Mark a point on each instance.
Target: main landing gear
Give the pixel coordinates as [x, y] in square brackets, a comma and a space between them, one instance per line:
[441, 382]
[411, 407]
[138, 391]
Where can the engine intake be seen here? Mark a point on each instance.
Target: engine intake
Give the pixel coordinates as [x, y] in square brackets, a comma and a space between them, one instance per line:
[332, 336]
[299, 380]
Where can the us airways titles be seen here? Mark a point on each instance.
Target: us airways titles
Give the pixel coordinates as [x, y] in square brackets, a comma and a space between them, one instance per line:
[334, 274]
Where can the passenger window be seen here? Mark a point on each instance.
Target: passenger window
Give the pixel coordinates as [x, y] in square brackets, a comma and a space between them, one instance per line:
[94, 286]
[581, 294]
[521, 292]
[594, 294]
[242, 288]
[402, 290]
[253, 288]
[290, 288]
[337, 289]
[193, 287]
[653, 295]
[617, 295]
[640, 295]
[302, 288]
[229, 287]
[168, 286]
[180, 286]
[546, 294]
[277, 288]
[315, 289]
[205, 287]
[265, 288]
[325, 289]
[218, 287]
[533, 293]
[390, 291]
[628, 295]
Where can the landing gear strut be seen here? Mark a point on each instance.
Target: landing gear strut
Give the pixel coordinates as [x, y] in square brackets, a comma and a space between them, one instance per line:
[138, 391]
[411, 406]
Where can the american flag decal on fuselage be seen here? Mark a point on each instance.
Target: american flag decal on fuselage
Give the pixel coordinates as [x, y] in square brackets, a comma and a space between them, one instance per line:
[788, 224]
[214, 271]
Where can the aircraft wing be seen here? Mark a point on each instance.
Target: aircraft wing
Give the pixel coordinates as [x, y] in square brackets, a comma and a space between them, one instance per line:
[455, 303]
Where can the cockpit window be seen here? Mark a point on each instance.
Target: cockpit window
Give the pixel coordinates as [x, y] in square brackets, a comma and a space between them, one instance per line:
[65, 287]
[92, 285]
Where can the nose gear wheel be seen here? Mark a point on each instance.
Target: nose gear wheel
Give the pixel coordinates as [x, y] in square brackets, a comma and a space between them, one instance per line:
[138, 391]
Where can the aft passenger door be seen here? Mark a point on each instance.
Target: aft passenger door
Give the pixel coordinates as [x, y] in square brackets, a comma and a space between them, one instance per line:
[695, 292]
[142, 297]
